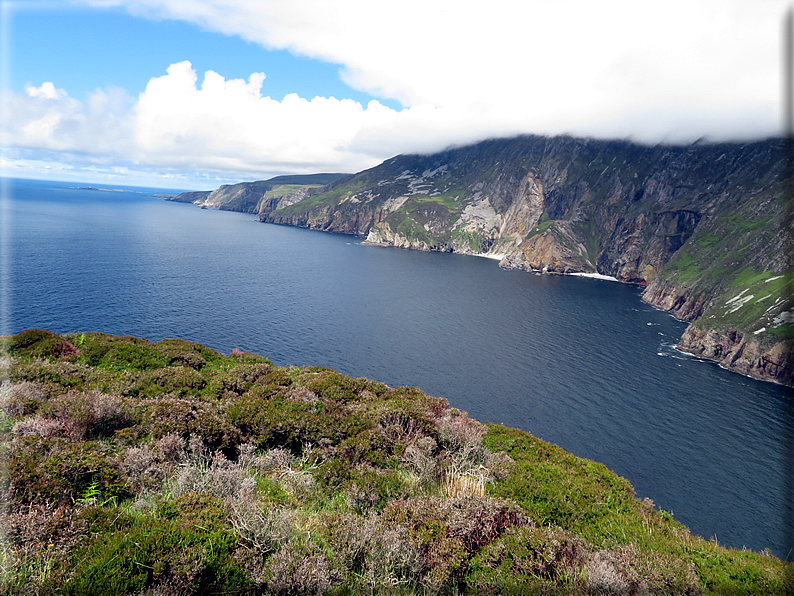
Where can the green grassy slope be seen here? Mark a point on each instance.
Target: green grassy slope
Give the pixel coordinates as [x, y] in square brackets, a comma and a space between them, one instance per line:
[133, 467]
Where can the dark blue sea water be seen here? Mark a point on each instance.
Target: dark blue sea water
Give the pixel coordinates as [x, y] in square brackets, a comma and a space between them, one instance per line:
[579, 362]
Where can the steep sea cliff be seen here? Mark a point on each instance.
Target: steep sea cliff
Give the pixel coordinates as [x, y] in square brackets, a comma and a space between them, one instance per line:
[702, 226]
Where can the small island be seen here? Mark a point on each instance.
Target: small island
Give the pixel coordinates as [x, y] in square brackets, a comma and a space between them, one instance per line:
[107, 189]
[168, 468]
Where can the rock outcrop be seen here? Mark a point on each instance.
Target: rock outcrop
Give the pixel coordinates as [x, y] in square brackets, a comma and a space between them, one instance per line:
[734, 350]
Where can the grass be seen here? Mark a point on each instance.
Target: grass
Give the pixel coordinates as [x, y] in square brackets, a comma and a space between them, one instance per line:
[168, 468]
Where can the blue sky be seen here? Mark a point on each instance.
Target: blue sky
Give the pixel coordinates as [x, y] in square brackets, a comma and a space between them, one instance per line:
[80, 49]
[200, 93]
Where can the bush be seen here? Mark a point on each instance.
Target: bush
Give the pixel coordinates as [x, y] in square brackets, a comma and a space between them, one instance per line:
[180, 381]
[185, 353]
[89, 414]
[191, 417]
[533, 558]
[290, 423]
[25, 398]
[173, 554]
[53, 374]
[216, 476]
[120, 353]
[298, 569]
[372, 555]
[38, 343]
[54, 470]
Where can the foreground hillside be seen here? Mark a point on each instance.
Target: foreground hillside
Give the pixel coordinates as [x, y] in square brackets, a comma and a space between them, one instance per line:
[167, 469]
[702, 226]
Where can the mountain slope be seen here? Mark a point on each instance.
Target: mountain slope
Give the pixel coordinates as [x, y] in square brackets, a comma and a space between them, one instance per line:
[259, 196]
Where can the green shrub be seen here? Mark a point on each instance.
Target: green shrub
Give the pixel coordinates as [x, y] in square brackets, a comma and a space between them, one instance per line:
[529, 560]
[120, 353]
[373, 489]
[191, 418]
[39, 343]
[56, 470]
[184, 353]
[290, 423]
[61, 373]
[175, 554]
[251, 373]
[225, 386]
[177, 380]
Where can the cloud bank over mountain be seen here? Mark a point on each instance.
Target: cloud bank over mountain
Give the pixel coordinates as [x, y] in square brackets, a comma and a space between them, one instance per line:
[655, 72]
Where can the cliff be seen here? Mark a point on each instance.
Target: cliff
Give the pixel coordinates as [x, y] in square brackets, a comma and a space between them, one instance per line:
[698, 225]
[695, 224]
[261, 196]
[135, 468]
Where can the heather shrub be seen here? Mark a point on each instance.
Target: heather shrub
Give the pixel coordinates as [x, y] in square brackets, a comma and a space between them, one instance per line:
[251, 373]
[420, 458]
[403, 428]
[248, 357]
[370, 446]
[462, 437]
[371, 488]
[24, 398]
[301, 393]
[291, 423]
[448, 532]
[89, 414]
[39, 426]
[54, 470]
[142, 469]
[298, 569]
[38, 343]
[59, 373]
[528, 557]
[185, 353]
[188, 417]
[225, 386]
[276, 376]
[34, 538]
[178, 380]
[332, 386]
[218, 477]
[120, 353]
[627, 570]
[374, 556]
[261, 391]
[171, 555]
[265, 528]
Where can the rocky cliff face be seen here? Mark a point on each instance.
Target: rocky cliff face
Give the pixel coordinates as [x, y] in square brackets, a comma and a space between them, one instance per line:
[737, 351]
[696, 224]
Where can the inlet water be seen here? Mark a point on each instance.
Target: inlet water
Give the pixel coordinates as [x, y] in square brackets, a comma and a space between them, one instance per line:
[579, 362]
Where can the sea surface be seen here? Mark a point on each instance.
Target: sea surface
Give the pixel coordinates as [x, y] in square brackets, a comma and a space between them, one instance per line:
[580, 362]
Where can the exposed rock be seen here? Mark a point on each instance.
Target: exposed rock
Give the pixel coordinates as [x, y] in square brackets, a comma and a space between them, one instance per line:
[734, 350]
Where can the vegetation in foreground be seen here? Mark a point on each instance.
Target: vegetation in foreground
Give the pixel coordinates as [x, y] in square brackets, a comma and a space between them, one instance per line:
[169, 469]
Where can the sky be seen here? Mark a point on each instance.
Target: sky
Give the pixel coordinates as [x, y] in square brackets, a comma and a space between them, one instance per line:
[191, 94]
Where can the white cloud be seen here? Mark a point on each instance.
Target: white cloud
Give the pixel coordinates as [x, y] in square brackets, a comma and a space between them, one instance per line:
[537, 66]
[232, 121]
[654, 71]
[47, 91]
